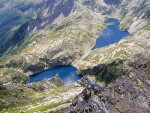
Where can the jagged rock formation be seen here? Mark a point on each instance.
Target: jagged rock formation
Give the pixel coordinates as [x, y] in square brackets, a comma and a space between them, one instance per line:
[128, 94]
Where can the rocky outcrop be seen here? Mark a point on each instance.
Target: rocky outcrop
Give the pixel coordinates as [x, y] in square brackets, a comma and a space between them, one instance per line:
[89, 102]
[46, 84]
[128, 94]
[134, 18]
[146, 15]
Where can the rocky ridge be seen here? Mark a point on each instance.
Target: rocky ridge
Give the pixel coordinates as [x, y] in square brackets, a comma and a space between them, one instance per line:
[127, 94]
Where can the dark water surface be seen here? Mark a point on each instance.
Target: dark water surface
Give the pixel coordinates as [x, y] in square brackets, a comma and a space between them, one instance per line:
[67, 73]
[111, 34]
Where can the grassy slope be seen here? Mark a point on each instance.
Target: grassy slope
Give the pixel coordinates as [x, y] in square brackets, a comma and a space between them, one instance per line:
[41, 100]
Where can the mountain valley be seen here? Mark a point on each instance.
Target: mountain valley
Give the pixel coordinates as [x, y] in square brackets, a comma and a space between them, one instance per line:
[37, 35]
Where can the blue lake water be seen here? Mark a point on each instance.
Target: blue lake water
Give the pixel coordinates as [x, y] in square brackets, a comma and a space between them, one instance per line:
[67, 73]
[111, 34]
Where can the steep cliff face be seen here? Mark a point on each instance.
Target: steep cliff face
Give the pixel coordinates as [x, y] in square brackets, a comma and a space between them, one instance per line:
[13, 14]
[133, 15]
